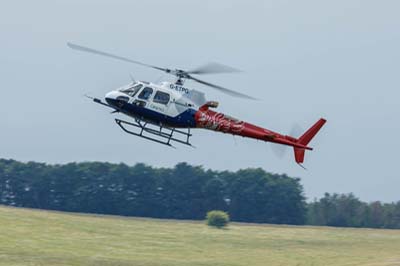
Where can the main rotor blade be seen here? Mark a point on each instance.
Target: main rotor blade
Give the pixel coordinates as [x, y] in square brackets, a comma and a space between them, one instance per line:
[93, 51]
[222, 89]
[213, 68]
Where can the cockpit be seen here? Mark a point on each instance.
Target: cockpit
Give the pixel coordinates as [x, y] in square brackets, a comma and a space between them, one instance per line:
[142, 93]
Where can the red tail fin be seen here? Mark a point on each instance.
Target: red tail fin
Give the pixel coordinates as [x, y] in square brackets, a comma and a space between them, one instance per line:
[306, 138]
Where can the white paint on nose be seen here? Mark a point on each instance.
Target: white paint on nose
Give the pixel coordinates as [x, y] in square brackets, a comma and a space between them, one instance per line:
[112, 95]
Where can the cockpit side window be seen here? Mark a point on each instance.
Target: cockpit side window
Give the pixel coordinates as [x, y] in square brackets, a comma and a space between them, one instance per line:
[146, 93]
[132, 91]
[161, 97]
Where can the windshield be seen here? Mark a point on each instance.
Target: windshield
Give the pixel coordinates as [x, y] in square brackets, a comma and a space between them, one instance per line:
[133, 90]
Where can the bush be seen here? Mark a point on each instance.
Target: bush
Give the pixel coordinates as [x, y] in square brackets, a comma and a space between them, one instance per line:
[218, 219]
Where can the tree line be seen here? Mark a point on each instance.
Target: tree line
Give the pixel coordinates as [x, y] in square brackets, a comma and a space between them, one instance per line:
[346, 210]
[182, 192]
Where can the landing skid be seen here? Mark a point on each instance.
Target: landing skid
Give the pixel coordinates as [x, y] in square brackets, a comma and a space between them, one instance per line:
[157, 133]
[163, 135]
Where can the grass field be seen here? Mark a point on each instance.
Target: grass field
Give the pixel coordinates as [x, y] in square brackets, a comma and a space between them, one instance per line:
[31, 237]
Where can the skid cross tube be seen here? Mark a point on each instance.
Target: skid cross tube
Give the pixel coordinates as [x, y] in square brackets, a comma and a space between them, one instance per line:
[143, 125]
[150, 130]
[159, 133]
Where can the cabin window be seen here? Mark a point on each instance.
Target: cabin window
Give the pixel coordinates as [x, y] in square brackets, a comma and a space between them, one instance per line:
[161, 97]
[146, 93]
[132, 91]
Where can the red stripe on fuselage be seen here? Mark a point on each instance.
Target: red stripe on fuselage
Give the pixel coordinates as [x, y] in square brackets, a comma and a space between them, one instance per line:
[209, 119]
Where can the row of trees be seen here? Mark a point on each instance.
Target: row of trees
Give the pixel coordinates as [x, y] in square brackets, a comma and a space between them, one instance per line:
[349, 211]
[182, 192]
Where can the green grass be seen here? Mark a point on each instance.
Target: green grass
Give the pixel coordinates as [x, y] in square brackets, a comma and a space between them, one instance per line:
[32, 237]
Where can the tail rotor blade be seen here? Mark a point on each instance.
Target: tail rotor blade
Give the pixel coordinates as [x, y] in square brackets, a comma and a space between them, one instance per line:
[296, 131]
[279, 150]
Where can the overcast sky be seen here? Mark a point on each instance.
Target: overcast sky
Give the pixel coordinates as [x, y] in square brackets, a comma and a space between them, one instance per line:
[304, 59]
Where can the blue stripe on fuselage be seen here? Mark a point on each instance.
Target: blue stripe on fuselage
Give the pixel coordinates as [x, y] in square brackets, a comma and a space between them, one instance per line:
[184, 120]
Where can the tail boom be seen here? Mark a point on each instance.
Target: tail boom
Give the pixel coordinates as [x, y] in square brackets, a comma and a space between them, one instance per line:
[208, 119]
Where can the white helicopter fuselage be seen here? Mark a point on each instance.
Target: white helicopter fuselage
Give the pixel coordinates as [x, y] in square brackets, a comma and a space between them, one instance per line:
[166, 104]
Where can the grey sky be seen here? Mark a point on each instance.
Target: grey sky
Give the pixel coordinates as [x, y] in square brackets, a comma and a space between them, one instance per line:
[305, 59]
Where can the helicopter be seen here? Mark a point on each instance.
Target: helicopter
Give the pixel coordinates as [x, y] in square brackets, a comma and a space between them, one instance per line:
[166, 112]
